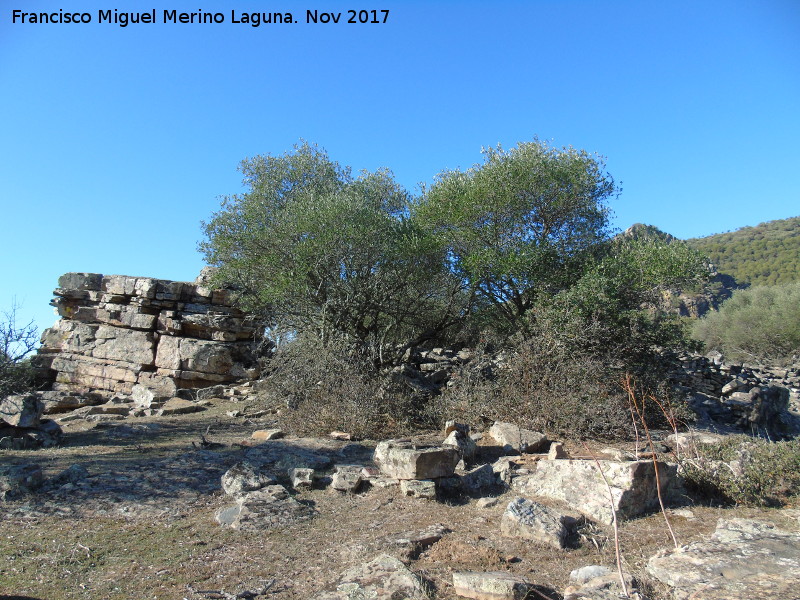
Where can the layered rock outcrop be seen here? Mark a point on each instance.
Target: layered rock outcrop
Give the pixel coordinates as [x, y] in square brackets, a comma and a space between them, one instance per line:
[117, 331]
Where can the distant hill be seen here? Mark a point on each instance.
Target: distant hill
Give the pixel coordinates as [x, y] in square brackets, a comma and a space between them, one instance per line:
[767, 254]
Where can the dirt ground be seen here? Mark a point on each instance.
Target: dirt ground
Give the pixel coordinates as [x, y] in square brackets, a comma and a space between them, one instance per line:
[141, 525]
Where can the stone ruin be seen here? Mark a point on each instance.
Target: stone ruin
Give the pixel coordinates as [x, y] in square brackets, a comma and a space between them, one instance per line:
[118, 331]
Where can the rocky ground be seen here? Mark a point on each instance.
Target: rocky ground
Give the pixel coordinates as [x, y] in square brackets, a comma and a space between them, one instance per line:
[131, 508]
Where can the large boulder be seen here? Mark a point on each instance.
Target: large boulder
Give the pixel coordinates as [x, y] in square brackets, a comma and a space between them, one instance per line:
[401, 459]
[24, 410]
[580, 484]
[743, 560]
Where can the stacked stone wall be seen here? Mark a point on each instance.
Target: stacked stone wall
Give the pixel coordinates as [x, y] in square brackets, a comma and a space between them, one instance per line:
[116, 331]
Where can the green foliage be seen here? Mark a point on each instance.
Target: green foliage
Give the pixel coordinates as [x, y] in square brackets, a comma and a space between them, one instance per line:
[320, 251]
[746, 471]
[760, 323]
[16, 343]
[768, 254]
[519, 226]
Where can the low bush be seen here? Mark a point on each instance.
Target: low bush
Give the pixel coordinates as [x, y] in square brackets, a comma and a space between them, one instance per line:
[324, 388]
[746, 471]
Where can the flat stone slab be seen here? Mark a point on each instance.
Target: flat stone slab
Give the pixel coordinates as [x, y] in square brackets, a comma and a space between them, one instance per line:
[579, 484]
[533, 521]
[265, 508]
[491, 585]
[402, 459]
[745, 559]
[385, 578]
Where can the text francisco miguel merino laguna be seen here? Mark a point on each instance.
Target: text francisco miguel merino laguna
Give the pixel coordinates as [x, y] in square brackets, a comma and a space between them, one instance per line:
[254, 19]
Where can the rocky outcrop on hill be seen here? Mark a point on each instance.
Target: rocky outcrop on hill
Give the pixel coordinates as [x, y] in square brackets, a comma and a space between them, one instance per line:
[117, 331]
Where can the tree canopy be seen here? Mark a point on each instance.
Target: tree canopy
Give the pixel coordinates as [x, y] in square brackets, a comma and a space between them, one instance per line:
[317, 250]
[521, 224]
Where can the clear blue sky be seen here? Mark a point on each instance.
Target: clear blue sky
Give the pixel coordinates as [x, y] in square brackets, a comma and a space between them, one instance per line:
[116, 142]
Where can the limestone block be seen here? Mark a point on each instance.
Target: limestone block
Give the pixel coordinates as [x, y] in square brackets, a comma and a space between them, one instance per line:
[517, 439]
[403, 460]
[117, 343]
[80, 281]
[347, 478]
[744, 560]
[492, 585]
[579, 484]
[301, 478]
[533, 521]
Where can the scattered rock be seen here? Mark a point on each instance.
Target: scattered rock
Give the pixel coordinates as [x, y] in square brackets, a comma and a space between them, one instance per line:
[533, 521]
[265, 508]
[347, 478]
[385, 578]
[418, 488]
[556, 451]
[179, 406]
[603, 587]
[478, 480]
[466, 447]
[262, 435]
[18, 480]
[301, 478]
[487, 502]
[584, 574]
[340, 435]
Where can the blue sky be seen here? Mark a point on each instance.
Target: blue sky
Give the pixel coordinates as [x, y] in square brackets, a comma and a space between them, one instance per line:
[117, 142]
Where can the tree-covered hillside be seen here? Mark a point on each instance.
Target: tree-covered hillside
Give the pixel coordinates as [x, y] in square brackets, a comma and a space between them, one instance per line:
[767, 254]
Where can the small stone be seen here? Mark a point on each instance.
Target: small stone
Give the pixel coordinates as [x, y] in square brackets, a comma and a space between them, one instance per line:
[584, 574]
[263, 435]
[340, 435]
[347, 478]
[301, 478]
[419, 488]
[487, 502]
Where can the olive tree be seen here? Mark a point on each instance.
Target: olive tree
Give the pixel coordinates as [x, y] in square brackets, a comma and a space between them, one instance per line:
[318, 250]
[520, 225]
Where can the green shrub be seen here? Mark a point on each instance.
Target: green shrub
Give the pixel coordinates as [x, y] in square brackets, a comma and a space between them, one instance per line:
[743, 470]
[761, 323]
